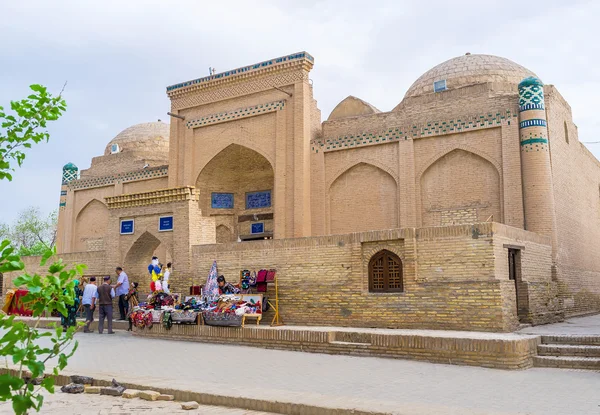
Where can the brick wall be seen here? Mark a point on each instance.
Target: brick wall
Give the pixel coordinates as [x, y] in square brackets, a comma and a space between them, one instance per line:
[451, 277]
[90, 225]
[576, 181]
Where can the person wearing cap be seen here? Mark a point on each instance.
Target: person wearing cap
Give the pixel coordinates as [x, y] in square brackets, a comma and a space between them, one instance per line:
[89, 303]
[105, 295]
[226, 287]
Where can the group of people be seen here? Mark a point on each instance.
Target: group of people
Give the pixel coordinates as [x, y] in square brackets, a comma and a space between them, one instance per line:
[101, 297]
[94, 296]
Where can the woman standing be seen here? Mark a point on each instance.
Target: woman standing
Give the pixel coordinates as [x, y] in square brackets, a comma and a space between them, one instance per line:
[71, 318]
[132, 300]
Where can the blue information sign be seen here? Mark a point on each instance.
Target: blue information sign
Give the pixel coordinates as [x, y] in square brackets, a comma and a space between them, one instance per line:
[127, 227]
[257, 228]
[165, 223]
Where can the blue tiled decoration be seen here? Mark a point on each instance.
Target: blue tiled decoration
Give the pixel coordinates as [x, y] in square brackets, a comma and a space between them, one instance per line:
[70, 172]
[257, 200]
[257, 228]
[295, 56]
[531, 94]
[221, 200]
[535, 122]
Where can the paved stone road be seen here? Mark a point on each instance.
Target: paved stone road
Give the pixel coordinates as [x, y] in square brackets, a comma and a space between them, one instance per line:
[586, 326]
[398, 386]
[64, 404]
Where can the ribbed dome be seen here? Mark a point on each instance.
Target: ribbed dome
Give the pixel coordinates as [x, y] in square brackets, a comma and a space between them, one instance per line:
[145, 137]
[469, 70]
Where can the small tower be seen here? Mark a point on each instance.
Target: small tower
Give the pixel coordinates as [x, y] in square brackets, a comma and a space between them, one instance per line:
[70, 172]
[538, 194]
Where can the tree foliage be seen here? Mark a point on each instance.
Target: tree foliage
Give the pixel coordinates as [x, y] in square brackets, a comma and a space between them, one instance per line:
[26, 346]
[32, 233]
[26, 126]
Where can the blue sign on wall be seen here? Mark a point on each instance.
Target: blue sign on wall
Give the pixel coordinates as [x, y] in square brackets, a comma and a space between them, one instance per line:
[257, 228]
[221, 201]
[256, 200]
[165, 223]
[127, 227]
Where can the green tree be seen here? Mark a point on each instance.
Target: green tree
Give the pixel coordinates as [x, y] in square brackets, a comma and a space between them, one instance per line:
[32, 233]
[47, 293]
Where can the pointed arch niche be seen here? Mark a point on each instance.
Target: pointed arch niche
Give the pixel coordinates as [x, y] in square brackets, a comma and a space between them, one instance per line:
[363, 198]
[460, 187]
[90, 227]
[140, 254]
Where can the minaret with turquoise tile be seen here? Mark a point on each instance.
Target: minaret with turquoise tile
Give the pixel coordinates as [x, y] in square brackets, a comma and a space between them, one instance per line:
[69, 172]
[536, 169]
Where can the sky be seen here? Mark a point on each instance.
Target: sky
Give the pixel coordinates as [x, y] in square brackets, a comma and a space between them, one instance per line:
[118, 57]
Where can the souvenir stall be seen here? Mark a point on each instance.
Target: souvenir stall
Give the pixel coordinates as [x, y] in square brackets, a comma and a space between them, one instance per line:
[210, 307]
[257, 282]
[229, 309]
[13, 303]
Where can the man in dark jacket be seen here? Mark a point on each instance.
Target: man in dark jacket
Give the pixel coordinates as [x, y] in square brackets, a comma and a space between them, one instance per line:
[105, 295]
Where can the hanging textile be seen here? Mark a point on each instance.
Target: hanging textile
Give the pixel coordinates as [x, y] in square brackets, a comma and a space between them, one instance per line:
[211, 288]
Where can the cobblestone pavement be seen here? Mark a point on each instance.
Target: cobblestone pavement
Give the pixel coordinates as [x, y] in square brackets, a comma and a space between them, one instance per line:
[398, 386]
[65, 404]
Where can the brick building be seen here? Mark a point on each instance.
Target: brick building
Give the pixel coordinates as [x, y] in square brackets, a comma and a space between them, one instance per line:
[471, 205]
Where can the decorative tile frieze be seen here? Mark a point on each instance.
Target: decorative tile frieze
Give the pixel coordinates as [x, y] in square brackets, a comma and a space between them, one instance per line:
[175, 194]
[236, 115]
[433, 128]
[143, 174]
[300, 56]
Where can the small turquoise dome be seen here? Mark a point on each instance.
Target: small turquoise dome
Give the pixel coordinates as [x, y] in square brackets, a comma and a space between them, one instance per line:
[70, 166]
[529, 81]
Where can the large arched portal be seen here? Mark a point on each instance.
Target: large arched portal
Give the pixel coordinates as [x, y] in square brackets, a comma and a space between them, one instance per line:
[236, 188]
[139, 256]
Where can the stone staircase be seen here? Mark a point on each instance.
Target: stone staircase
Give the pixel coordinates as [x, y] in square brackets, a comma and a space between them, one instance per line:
[569, 352]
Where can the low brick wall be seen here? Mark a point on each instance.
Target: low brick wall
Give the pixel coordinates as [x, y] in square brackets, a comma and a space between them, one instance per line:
[502, 351]
[455, 277]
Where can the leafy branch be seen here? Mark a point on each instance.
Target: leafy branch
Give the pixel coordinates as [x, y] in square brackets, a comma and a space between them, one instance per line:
[27, 127]
[54, 291]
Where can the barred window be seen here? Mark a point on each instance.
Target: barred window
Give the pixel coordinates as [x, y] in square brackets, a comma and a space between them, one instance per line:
[385, 273]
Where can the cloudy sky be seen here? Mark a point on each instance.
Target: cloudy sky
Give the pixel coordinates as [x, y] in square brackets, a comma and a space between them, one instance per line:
[118, 57]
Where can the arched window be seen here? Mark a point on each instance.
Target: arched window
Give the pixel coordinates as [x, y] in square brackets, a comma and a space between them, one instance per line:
[385, 273]
[566, 132]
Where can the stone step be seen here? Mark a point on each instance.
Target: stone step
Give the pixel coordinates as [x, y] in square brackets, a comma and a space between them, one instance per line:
[567, 362]
[576, 340]
[582, 350]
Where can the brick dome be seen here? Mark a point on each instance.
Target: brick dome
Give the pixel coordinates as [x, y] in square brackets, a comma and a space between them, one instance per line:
[469, 70]
[142, 138]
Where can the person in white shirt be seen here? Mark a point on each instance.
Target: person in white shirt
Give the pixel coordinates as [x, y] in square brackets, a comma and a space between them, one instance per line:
[166, 275]
[89, 303]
